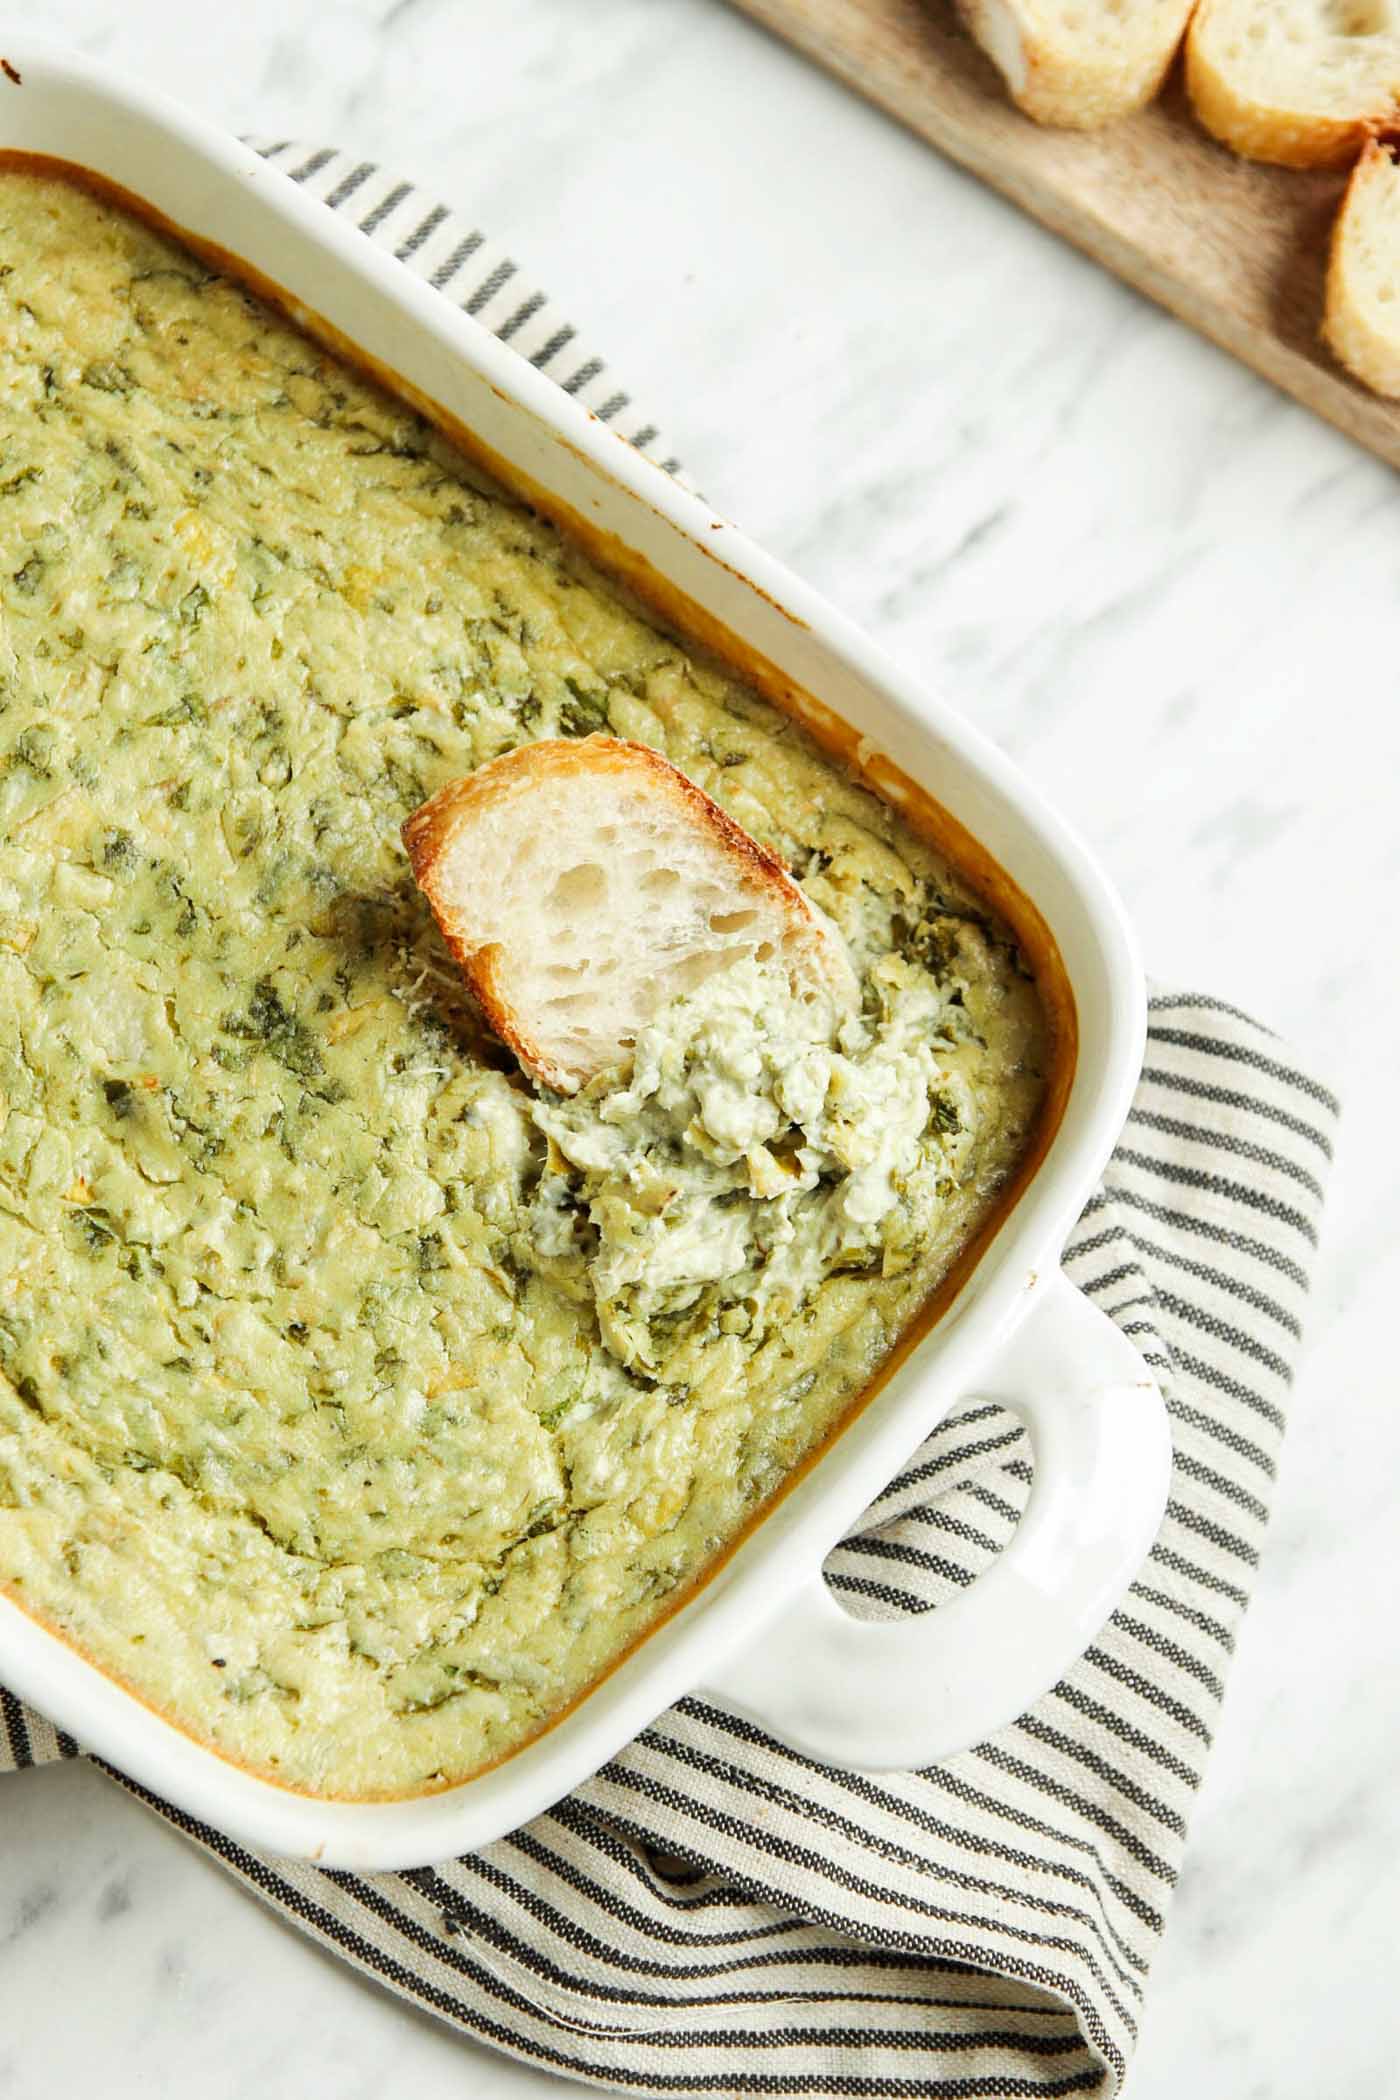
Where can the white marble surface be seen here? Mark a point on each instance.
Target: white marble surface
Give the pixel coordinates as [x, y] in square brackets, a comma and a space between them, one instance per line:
[1176, 599]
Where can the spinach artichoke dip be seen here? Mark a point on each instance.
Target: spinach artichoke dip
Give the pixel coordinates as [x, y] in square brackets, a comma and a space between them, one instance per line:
[361, 1402]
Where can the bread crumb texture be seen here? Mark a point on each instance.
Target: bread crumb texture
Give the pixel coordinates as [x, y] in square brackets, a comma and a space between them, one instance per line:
[1299, 82]
[584, 885]
[1362, 320]
[1078, 64]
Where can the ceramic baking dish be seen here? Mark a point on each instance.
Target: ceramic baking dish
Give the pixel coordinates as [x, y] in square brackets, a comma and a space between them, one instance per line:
[764, 1632]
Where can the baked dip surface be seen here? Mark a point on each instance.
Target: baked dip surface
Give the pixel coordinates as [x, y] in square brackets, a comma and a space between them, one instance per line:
[359, 1401]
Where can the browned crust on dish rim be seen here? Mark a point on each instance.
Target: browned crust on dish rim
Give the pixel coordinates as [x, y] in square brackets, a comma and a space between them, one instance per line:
[924, 815]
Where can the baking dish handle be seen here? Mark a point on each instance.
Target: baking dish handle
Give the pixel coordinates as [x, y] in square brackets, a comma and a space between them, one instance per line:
[898, 1695]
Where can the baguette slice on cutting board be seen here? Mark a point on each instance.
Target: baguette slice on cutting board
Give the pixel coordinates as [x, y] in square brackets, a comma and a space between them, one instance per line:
[1079, 63]
[1362, 321]
[583, 884]
[1299, 82]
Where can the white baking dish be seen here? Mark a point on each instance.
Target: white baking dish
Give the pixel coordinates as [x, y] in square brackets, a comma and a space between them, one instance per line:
[764, 1632]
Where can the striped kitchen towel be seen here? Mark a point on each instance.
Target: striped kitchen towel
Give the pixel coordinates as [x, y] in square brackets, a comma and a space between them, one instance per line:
[713, 1914]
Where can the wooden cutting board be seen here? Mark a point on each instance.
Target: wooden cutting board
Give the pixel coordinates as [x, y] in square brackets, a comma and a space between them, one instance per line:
[1236, 250]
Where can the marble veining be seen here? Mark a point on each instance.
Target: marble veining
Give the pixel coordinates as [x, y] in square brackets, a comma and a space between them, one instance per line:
[1173, 596]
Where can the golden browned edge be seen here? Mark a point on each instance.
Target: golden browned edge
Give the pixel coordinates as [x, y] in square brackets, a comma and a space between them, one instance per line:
[428, 831]
[1054, 93]
[1365, 350]
[1257, 132]
[432, 827]
[927, 817]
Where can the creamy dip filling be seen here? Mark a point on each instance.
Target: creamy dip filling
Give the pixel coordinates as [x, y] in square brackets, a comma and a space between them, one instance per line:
[755, 1146]
[359, 1405]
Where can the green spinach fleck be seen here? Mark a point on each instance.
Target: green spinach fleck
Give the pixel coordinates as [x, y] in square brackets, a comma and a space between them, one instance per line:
[584, 712]
[283, 1035]
[119, 854]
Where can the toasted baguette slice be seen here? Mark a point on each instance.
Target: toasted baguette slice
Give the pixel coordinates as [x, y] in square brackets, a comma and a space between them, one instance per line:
[1299, 82]
[1361, 325]
[584, 883]
[1079, 63]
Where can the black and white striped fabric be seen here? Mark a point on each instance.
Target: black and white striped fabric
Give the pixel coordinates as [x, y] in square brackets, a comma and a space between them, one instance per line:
[714, 1915]
[458, 261]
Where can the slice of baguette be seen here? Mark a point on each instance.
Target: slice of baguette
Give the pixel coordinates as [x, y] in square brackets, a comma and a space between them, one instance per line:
[1299, 82]
[1361, 325]
[1079, 63]
[582, 884]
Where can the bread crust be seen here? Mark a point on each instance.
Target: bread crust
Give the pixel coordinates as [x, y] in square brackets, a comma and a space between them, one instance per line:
[437, 825]
[1263, 130]
[1071, 89]
[1371, 353]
